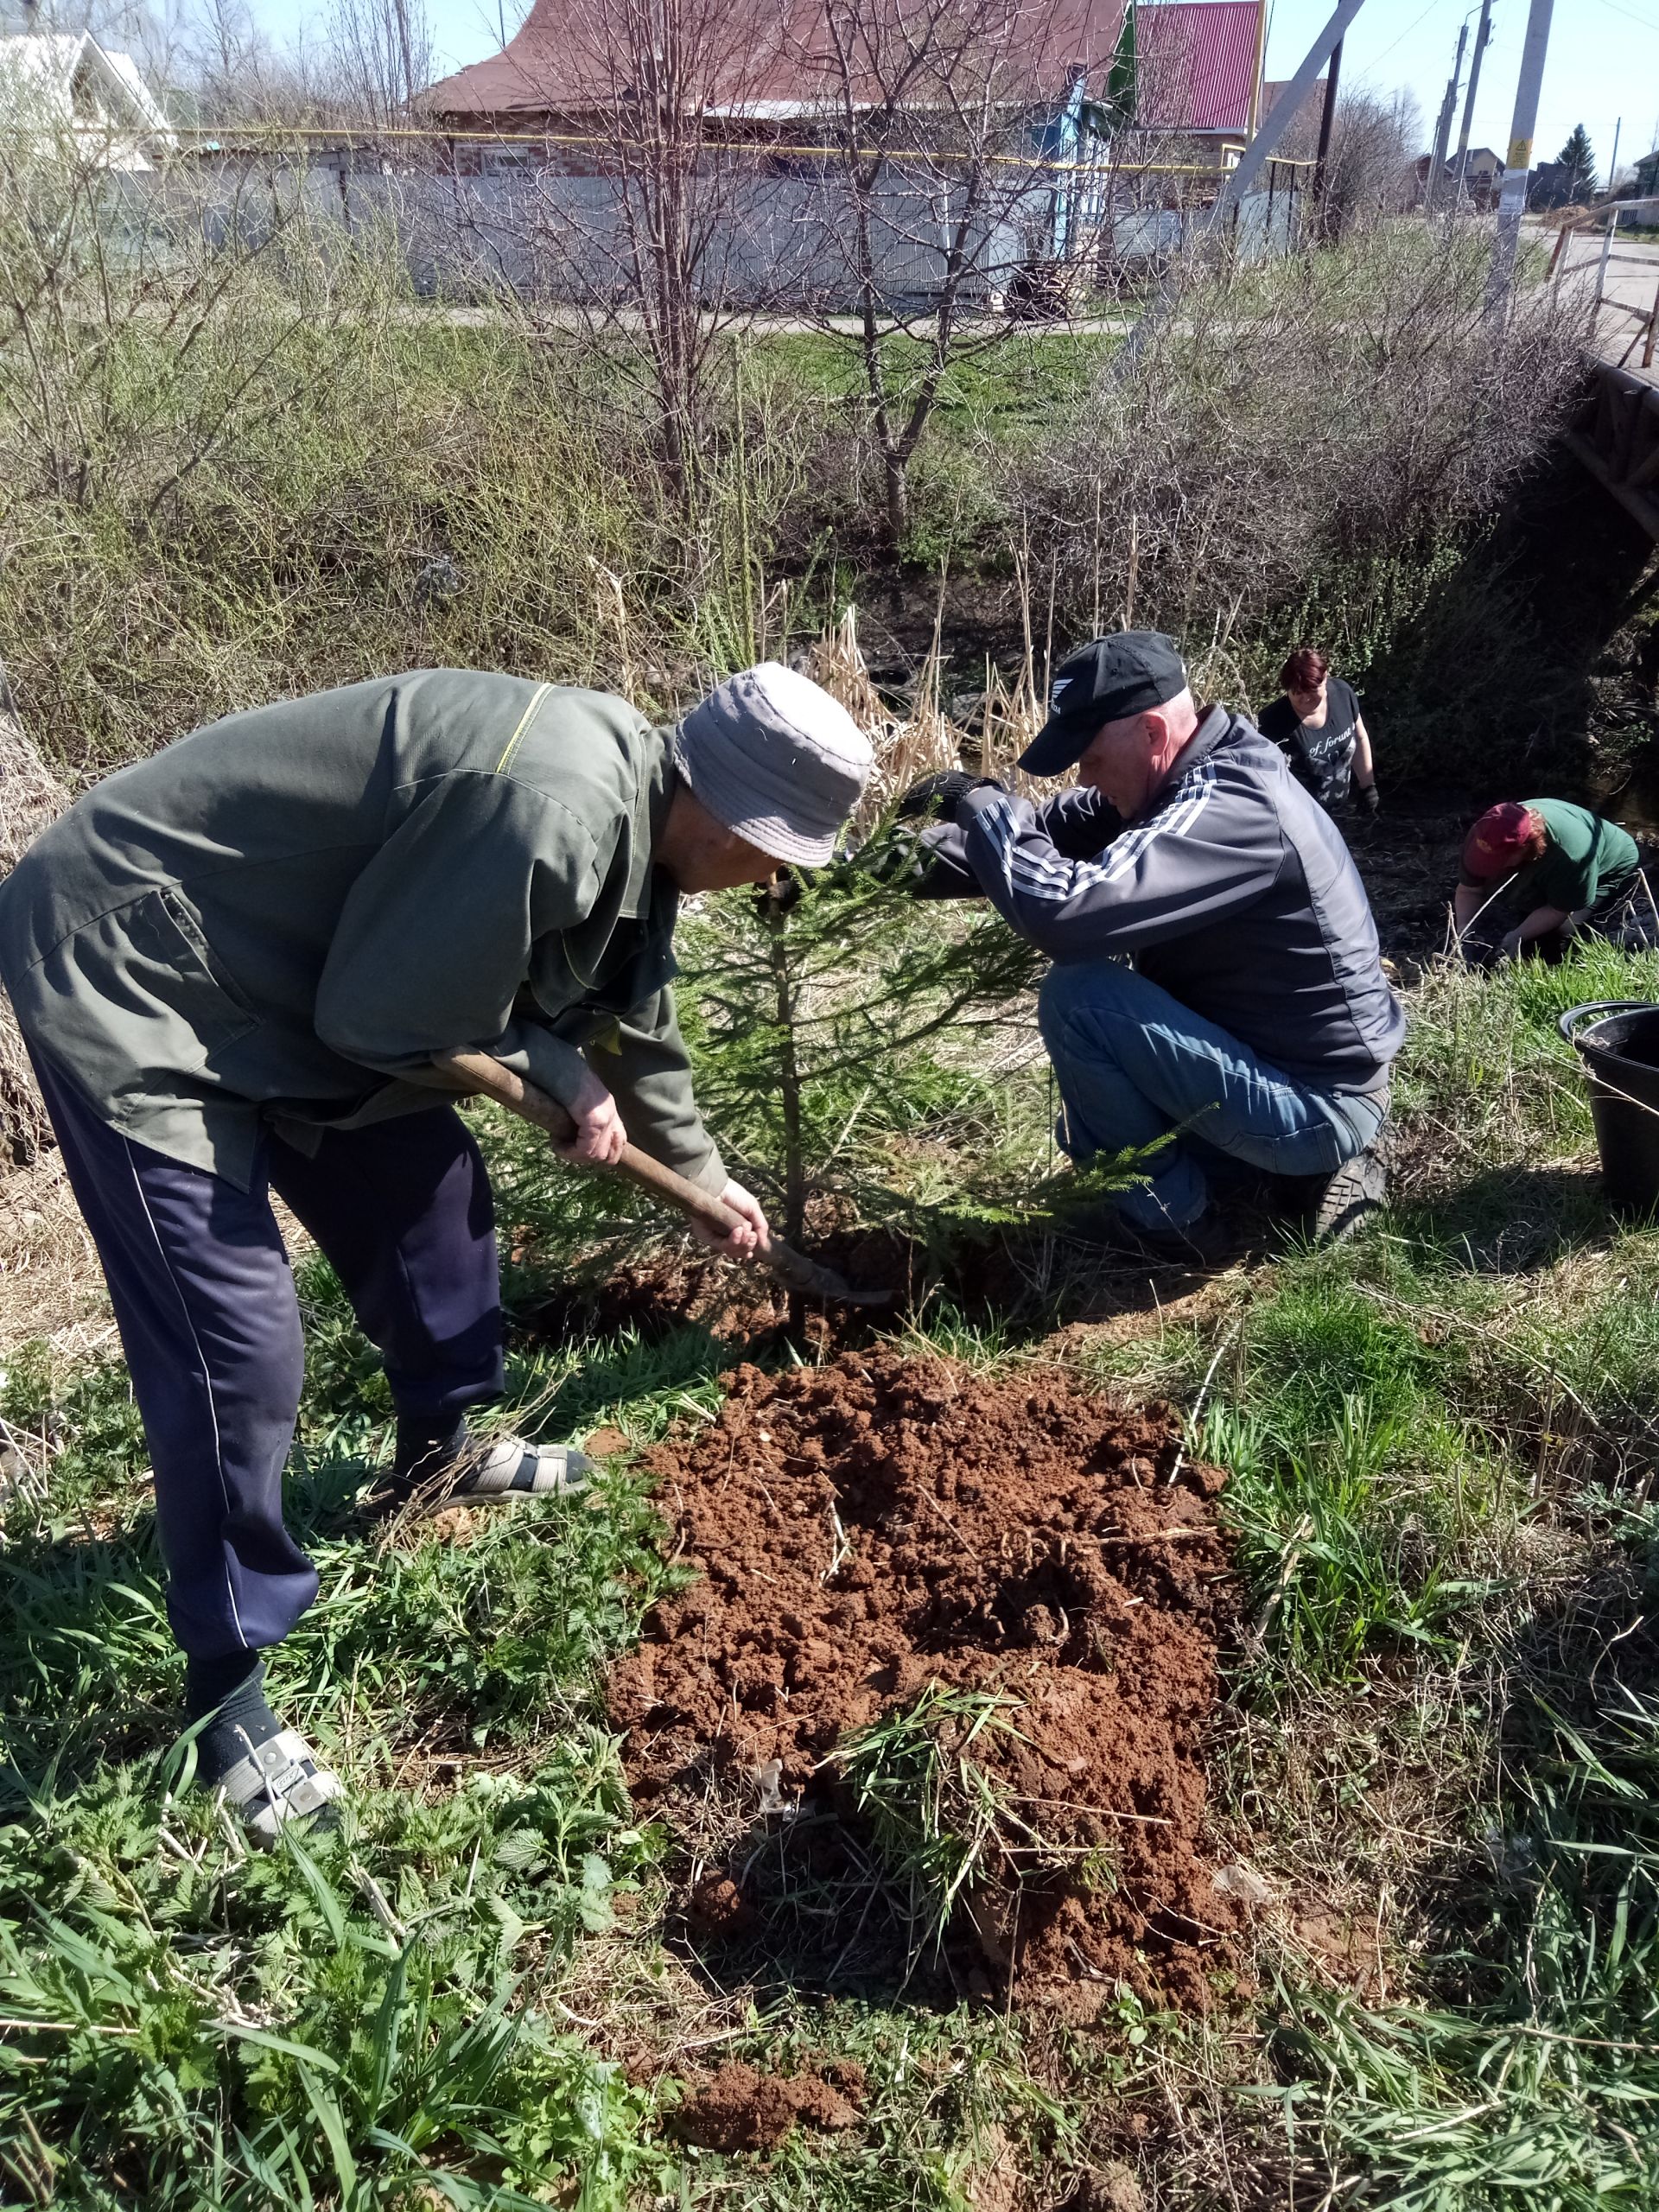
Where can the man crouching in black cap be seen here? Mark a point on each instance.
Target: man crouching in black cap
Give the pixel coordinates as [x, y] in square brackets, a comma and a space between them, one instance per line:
[1216, 965]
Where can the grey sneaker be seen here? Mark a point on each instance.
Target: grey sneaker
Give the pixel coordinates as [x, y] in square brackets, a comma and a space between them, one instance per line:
[492, 1467]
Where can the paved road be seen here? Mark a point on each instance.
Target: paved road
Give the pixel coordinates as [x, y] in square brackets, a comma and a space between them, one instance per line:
[1630, 286]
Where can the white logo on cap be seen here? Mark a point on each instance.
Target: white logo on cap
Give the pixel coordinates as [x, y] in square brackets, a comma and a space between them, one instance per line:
[1061, 684]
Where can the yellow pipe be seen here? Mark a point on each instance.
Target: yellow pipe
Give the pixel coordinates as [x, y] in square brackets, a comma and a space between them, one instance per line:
[338, 135]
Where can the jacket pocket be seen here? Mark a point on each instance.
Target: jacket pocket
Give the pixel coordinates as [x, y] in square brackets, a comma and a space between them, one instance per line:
[186, 975]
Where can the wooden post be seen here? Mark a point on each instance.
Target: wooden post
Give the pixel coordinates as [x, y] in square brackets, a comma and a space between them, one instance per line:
[1653, 325]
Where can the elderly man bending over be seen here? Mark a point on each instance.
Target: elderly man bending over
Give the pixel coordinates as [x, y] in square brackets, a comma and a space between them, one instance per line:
[1255, 1018]
[234, 964]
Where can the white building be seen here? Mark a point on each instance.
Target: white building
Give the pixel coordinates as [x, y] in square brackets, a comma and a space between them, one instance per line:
[66, 82]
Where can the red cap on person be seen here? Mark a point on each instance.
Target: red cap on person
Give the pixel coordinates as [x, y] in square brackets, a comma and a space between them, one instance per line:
[1497, 841]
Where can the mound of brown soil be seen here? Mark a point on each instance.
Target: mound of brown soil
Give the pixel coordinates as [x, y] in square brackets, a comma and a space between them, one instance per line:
[868, 1526]
[739, 2109]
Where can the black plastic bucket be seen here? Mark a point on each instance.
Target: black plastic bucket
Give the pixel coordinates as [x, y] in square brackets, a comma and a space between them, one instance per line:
[1620, 1051]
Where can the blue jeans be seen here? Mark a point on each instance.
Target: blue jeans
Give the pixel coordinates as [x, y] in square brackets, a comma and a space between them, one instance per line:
[1133, 1064]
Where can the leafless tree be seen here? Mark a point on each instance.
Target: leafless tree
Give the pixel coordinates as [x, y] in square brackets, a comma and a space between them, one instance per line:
[220, 63]
[663, 71]
[379, 58]
[937, 190]
[645, 231]
[1374, 140]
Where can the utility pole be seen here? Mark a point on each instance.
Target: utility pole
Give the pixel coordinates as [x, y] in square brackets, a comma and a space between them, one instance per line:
[1443, 127]
[1327, 117]
[1481, 37]
[1512, 205]
[1283, 111]
[1613, 166]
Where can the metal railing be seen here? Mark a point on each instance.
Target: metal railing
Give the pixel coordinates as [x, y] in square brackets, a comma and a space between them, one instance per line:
[1608, 217]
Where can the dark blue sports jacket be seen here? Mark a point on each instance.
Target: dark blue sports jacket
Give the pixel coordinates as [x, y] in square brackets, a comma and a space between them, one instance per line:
[1234, 893]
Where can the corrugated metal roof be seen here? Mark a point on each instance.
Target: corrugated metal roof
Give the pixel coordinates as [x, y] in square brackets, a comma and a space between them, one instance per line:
[1197, 64]
[770, 59]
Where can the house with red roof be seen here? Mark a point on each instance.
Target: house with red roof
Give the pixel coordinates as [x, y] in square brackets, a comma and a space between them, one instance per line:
[1123, 118]
[1198, 74]
[769, 73]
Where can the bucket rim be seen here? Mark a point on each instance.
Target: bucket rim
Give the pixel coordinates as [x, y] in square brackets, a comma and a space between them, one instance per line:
[1570, 1023]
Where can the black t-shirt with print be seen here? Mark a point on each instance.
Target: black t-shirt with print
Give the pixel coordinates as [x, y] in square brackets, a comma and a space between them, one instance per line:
[1321, 759]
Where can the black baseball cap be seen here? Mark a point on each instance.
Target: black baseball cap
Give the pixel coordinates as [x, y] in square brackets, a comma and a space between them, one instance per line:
[1102, 682]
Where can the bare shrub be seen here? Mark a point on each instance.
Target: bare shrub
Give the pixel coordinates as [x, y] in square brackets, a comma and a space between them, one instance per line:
[166, 342]
[1301, 449]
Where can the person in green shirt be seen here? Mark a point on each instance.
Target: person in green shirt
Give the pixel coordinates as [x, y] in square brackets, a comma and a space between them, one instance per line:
[1554, 868]
[234, 965]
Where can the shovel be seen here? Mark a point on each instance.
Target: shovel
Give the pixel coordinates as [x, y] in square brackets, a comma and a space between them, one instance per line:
[481, 1073]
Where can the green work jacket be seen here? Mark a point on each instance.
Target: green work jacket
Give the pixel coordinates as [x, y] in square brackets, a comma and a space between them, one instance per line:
[279, 920]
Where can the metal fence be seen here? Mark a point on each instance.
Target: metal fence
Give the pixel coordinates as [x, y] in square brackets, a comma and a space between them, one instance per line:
[773, 242]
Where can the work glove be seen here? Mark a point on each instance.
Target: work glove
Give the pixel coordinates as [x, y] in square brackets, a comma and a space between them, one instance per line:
[939, 794]
[1370, 798]
[905, 859]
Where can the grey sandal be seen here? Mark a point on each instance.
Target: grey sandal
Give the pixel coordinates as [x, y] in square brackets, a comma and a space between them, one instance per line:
[507, 1467]
[280, 1780]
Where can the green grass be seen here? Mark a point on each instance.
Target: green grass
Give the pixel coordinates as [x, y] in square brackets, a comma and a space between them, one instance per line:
[1443, 1708]
[1442, 1455]
[1442, 1703]
[371, 2008]
[937, 1815]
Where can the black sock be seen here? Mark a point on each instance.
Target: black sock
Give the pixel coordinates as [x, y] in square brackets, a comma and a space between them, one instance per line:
[427, 1441]
[233, 1691]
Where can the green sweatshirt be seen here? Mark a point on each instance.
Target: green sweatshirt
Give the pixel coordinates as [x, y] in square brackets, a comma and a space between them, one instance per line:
[278, 917]
[1586, 859]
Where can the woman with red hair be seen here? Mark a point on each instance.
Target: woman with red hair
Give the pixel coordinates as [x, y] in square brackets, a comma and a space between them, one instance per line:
[1319, 728]
[1558, 867]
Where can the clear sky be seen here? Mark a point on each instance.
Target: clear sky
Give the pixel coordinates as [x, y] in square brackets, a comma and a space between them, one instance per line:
[1603, 63]
[1604, 58]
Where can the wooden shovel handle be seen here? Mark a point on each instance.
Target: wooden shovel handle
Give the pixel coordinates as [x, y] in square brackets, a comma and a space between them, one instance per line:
[482, 1072]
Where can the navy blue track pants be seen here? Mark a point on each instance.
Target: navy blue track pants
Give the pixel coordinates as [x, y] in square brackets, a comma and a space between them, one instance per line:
[204, 1298]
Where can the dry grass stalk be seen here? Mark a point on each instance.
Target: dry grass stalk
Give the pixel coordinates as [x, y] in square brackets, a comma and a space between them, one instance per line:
[31, 797]
[50, 1283]
[1012, 716]
[926, 739]
[837, 663]
[906, 746]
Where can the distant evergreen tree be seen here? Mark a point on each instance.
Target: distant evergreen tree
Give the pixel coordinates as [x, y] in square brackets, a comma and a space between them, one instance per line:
[1577, 161]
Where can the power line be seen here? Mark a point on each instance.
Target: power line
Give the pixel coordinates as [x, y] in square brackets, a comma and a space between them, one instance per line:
[1646, 21]
[1378, 59]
